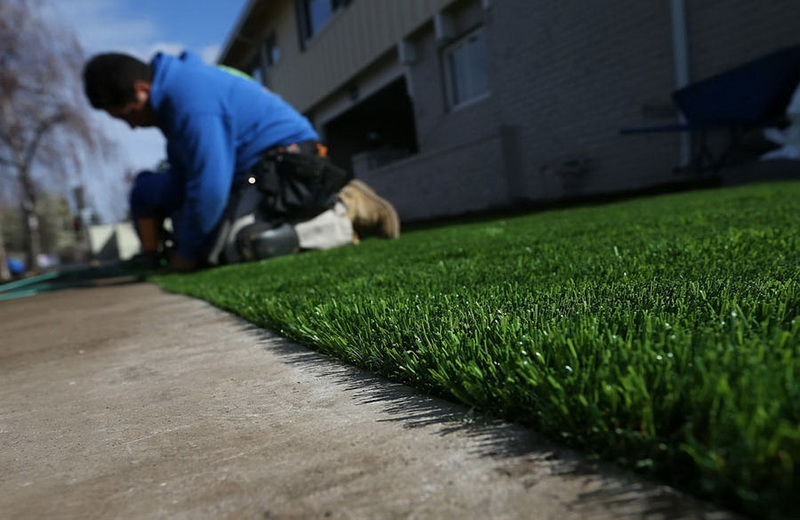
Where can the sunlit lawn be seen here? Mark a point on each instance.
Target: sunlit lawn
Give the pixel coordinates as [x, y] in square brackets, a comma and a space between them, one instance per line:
[662, 332]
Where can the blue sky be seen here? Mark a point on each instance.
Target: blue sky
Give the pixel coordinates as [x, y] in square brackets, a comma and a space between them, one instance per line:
[141, 28]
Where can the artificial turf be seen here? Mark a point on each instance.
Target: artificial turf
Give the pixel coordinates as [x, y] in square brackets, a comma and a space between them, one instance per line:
[661, 332]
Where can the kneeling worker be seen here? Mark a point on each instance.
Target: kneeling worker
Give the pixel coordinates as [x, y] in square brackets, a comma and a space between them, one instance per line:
[247, 177]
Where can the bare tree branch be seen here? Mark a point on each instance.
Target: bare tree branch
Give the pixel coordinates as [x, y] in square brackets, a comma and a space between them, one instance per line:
[45, 125]
[42, 128]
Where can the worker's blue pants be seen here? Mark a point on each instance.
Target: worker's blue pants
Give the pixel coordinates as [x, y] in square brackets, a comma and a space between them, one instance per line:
[155, 195]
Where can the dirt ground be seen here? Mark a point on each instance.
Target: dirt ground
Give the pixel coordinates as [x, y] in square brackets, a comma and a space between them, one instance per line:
[123, 401]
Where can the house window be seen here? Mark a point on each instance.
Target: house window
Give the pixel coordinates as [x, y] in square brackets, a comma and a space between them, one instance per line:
[314, 14]
[466, 64]
[272, 53]
[256, 69]
[268, 55]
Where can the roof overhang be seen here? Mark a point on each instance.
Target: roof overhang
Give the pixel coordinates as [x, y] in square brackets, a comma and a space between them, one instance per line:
[247, 34]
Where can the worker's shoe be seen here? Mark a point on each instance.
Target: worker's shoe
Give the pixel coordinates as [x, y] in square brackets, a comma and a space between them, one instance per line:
[370, 213]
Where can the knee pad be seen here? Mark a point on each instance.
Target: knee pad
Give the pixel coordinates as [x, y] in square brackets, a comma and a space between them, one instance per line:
[265, 240]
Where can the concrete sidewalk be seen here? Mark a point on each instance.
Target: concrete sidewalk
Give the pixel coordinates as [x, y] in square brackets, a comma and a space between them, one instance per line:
[126, 402]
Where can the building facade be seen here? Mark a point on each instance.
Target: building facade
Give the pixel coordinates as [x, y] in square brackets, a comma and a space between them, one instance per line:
[455, 106]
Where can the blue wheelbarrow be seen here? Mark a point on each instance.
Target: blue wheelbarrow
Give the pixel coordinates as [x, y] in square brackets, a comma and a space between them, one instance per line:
[752, 95]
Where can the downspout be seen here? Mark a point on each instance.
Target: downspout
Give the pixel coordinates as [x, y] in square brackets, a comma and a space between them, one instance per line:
[680, 52]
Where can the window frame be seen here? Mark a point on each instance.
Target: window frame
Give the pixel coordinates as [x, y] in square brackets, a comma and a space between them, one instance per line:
[453, 100]
[267, 55]
[305, 30]
[271, 50]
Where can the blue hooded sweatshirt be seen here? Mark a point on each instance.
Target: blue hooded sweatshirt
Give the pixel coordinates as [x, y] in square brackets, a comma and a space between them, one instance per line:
[216, 124]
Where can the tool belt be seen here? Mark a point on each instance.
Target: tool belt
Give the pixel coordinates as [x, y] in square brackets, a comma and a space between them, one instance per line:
[289, 184]
[298, 181]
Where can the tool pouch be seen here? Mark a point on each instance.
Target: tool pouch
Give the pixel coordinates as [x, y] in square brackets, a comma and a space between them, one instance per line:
[282, 187]
[298, 185]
